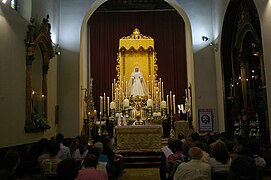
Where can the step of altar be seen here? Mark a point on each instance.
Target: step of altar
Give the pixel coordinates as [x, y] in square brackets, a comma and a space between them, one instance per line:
[147, 158]
[141, 159]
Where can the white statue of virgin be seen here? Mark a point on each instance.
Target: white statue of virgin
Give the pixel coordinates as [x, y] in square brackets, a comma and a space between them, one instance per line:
[137, 85]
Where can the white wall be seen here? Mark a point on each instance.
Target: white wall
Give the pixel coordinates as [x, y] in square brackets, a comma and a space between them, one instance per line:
[204, 56]
[264, 11]
[12, 79]
[71, 17]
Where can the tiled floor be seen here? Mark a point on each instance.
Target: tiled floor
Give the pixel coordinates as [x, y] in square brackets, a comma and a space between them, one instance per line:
[141, 174]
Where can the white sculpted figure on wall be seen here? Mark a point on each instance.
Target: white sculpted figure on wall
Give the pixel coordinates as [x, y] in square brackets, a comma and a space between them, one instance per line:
[137, 85]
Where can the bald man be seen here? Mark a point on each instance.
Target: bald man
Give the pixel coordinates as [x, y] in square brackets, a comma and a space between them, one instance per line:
[195, 169]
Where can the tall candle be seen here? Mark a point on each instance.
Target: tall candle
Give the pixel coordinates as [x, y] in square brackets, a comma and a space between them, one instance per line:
[112, 91]
[95, 116]
[160, 84]
[167, 105]
[124, 80]
[101, 104]
[156, 98]
[104, 103]
[174, 106]
[108, 106]
[170, 99]
[115, 84]
[126, 90]
[149, 83]
[152, 85]
[162, 90]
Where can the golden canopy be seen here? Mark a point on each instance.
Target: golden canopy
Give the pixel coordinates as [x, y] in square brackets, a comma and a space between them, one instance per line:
[136, 50]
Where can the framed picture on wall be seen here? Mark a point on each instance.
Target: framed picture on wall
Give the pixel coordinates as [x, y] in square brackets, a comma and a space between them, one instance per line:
[205, 120]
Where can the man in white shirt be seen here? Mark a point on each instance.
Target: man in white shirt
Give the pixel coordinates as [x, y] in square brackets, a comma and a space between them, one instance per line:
[195, 169]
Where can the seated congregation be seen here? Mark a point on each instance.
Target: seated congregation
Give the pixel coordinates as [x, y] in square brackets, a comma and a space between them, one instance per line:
[63, 159]
[216, 157]
[213, 157]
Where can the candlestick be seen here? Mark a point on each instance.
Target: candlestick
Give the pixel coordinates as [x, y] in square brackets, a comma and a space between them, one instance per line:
[42, 104]
[100, 128]
[174, 106]
[160, 97]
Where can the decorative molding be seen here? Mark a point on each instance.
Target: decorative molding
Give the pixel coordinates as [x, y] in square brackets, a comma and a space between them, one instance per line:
[37, 37]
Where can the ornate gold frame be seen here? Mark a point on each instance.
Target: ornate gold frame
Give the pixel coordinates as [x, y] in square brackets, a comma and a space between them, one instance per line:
[136, 50]
[37, 37]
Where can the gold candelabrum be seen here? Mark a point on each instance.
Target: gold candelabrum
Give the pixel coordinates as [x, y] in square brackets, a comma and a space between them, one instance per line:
[104, 114]
[171, 111]
[91, 113]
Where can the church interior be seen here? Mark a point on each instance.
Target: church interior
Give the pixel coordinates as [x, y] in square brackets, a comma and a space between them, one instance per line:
[139, 75]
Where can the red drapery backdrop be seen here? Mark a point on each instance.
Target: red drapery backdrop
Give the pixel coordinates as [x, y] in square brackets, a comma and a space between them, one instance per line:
[167, 28]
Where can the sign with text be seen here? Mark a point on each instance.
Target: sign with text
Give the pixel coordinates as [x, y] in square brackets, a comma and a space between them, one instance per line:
[205, 120]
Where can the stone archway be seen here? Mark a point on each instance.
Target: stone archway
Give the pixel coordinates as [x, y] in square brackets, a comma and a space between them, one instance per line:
[243, 67]
[84, 78]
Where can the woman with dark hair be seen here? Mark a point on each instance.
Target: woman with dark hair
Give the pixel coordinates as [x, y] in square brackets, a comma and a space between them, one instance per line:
[81, 152]
[220, 160]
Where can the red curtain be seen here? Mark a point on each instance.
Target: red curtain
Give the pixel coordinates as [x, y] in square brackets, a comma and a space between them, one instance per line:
[167, 28]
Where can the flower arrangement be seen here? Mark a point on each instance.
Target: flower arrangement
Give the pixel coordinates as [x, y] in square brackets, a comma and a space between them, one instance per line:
[39, 121]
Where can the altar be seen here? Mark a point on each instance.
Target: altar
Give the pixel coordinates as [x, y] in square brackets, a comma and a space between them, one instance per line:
[137, 95]
[139, 137]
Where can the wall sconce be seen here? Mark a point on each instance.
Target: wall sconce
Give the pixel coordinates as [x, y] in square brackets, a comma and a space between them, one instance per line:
[204, 38]
[56, 49]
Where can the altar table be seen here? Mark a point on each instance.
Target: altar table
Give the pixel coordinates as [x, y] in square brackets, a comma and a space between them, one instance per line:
[139, 137]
